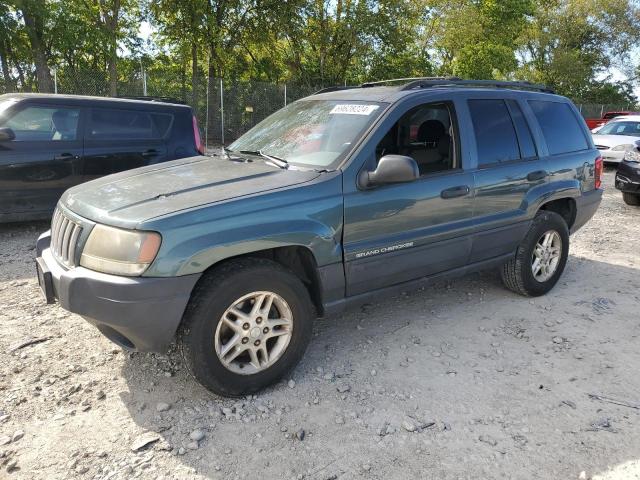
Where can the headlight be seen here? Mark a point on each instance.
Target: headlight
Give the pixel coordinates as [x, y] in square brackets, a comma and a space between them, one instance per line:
[623, 148]
[118, 251]
[632, 156]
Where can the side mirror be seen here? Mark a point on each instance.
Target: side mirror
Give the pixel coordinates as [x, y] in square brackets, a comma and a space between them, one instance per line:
[393, 169]
[6, 134]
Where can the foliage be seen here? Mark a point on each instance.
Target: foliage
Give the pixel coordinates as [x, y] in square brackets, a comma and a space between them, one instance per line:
[572, 45]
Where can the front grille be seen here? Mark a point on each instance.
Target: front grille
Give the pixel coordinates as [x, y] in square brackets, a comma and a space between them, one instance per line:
[64, 238]
[602, 147]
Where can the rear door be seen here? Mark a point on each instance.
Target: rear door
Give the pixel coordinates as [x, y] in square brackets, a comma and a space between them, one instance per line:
[42, 161]
[509, 172]
[118, 139]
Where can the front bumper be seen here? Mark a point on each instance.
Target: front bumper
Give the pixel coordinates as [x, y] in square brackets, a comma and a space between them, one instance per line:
[627, 183]
[137, 313]
[610, 156]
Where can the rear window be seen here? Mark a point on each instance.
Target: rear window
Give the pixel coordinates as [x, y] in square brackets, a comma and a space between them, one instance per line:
[496, 139]
[116, 124]
[559, 126]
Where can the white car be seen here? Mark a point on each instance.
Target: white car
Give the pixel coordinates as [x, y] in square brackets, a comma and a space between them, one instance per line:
[617, 137]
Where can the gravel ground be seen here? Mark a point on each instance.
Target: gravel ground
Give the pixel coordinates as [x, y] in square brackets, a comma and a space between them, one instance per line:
[459, 380]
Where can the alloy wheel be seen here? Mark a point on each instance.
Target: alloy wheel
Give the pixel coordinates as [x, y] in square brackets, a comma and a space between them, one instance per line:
[254, 332]
[546, 256]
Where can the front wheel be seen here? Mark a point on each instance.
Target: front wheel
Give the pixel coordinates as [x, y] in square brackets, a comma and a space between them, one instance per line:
[631, 198]
[540, 258]
[247, 324]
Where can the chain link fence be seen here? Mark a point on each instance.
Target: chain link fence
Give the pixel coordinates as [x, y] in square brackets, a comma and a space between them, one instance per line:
[225, 108]
[591, 110]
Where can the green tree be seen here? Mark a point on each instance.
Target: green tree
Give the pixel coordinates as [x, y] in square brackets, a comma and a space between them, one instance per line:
[569, 43]
[477, 38]
[35, 15]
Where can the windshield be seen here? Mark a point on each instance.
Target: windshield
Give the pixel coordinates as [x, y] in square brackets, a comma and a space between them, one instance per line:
[628, 128]
[312, 133]
[5, 104]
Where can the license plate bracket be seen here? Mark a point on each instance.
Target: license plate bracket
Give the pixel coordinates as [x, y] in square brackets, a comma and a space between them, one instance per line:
[45, 280]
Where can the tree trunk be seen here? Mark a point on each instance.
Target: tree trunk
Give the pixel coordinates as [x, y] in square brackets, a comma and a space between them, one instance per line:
[183, 79]
[8, 81]
[112, 62]
[194, 76]
[34, 26]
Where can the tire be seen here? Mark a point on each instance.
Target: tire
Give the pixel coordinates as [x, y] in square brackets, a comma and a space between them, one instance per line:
[203, 326]
[631, 198]
[517, 273]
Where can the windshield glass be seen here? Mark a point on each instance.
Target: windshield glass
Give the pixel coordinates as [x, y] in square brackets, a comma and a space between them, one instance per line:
[311, 133]
[621, 128]
[5, 104]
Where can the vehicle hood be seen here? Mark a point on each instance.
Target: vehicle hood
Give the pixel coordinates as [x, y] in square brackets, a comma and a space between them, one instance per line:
[128, 198]
[614, 140]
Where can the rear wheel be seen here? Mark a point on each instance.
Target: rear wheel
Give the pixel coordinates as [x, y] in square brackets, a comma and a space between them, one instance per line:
[540, 258]
[631, 198]
[248, 323]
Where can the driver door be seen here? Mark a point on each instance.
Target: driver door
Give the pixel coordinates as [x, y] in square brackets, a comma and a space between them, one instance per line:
[400, 232]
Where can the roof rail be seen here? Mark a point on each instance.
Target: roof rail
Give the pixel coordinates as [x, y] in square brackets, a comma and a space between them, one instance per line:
[333, 89]
[458, 82]
[428, 82]
[151, 98]
[408, 79]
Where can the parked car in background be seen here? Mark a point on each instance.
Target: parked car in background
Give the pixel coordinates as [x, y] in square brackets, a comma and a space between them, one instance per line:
[49, 143]
[628, 176]
[617, 137]
[338, 198]
[594, 123]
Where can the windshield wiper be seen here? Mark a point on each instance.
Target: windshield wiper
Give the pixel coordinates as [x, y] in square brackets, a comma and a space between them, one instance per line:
[279, 162]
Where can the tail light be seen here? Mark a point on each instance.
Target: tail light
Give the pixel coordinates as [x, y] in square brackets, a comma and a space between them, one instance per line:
[598, 172]
[196, 136]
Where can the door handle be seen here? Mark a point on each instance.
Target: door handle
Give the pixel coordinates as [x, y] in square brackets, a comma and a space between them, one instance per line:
[65, 156]
[150, 153]
[453, 192]
[537, 175]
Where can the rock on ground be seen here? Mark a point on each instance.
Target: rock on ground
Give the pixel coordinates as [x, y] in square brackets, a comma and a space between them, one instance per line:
[496, 385]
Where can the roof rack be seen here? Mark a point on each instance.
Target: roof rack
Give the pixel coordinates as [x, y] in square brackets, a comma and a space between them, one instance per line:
[425, 82]
[151, 98]
[405, 80]
[458, 82]
[334, 89]
[428, 82]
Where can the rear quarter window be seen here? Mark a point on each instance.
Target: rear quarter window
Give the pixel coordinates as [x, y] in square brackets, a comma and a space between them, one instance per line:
[117, 124]
[559, 126]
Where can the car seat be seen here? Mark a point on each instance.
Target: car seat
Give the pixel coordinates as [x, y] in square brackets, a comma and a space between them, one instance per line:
[430, 134]
[65, 125]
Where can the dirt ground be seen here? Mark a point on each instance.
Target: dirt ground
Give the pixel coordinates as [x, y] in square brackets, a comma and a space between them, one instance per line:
[459, 380]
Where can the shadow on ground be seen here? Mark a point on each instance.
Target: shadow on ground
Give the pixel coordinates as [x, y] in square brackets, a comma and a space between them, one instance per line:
[495, 385]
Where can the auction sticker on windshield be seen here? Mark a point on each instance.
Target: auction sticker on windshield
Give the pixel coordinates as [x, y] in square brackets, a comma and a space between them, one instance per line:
[351, 109]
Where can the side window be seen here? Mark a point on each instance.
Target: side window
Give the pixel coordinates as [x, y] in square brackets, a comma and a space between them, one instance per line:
[425, 133]
[44, 124]
[525, 139]
[116, 124]
[560, 127]
[496, 139]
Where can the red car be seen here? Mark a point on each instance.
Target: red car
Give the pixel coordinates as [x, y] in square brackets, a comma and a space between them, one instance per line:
[598, 122]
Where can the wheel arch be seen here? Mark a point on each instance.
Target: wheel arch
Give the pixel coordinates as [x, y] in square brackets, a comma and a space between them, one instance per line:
[565, 207]
[299, 259]
[559, 197]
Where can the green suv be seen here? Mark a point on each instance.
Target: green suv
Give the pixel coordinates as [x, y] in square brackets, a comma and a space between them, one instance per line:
[337, 198]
